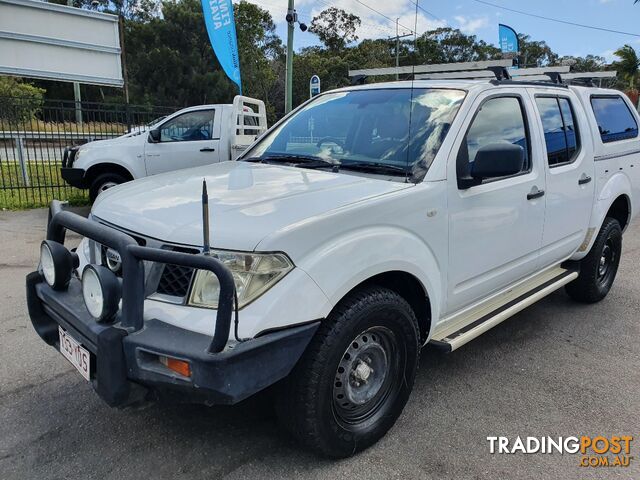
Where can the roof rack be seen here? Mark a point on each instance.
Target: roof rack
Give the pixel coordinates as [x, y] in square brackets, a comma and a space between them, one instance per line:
[495, 71]
[413, 70]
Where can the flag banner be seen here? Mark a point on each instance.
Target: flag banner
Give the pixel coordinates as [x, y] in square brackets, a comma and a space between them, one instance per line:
[508, 39]
[221, 27]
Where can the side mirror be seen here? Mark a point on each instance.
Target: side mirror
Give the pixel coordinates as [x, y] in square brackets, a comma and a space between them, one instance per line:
[154, 135]
[497, 160]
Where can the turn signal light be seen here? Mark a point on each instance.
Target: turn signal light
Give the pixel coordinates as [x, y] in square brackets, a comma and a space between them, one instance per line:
[178, 366]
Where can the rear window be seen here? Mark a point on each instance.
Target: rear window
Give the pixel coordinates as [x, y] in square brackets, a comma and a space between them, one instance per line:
[559, 129]
[614, 118]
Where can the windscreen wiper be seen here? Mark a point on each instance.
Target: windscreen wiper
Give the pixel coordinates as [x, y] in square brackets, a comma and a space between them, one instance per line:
[304, 161]
[374, 167]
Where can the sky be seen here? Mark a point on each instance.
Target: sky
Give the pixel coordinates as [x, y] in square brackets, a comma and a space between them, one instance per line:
[473, 17]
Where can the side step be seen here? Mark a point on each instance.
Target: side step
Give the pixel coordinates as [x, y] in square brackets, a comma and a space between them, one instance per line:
[466, 326]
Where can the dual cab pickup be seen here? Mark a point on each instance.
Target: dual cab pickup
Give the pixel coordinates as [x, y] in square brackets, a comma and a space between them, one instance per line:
[371, 221]
[190, 137]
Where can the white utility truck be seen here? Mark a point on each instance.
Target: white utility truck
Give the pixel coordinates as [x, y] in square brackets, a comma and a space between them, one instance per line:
[371, 221]
[190, 137]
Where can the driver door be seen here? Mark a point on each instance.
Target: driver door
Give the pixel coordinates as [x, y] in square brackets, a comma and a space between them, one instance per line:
[190, 139]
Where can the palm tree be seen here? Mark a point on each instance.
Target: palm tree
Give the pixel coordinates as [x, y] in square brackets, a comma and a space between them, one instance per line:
[628, 64]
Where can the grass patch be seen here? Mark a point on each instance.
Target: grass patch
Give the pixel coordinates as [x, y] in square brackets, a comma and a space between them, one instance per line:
[45, 185]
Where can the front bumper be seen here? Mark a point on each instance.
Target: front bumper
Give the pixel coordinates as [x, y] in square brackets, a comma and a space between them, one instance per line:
[126, 353]
[74, 177]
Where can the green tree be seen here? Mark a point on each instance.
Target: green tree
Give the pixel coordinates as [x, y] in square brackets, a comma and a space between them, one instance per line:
[261, 54]
[24, 109]
[535, 53]
[590, 63]
[446, 45]
[628, 64]
[129, 9]
[335, 28]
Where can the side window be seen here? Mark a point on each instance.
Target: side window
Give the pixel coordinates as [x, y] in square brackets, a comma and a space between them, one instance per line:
[559, 129]
[570, 127]
[189, 126]
[499, 120]
[615, 121]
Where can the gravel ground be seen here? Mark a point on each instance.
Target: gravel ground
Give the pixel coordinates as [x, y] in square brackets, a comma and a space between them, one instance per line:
[557, 368]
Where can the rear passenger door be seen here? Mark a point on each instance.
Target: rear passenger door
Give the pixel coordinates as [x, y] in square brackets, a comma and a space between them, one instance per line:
[495, 228]
[569, 174]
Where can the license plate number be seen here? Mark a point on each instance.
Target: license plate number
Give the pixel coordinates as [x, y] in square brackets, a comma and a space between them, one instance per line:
[75, 353]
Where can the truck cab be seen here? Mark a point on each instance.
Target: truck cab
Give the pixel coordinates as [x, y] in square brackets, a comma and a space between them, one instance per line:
[190, 137]
[371, 221]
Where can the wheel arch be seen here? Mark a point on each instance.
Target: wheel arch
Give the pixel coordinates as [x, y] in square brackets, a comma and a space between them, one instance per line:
[620, 209]
[106, 167]
[409, 287]
[613, 200]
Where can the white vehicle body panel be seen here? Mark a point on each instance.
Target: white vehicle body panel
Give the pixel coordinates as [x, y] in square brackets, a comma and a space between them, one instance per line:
[464, 247]
[142, 157]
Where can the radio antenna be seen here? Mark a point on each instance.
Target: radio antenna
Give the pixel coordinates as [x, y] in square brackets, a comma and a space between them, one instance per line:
[205, 219]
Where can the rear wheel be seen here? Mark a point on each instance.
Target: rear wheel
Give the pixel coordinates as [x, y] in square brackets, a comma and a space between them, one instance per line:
[356, 375]
[598, 269]
[104, 182]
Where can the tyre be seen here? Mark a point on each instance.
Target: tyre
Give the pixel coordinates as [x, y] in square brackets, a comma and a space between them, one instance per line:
[598, 269]
[355, 377]
[104, 182]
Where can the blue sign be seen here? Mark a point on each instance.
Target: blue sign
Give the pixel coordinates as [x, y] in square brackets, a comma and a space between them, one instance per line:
[221, 27]
[314, 86]
[508, 39]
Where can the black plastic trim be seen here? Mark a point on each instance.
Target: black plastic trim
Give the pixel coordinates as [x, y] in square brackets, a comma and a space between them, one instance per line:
[132, 255]
[74, 177]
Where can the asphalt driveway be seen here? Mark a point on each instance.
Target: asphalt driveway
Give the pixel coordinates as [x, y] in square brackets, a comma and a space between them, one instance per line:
[558, 368]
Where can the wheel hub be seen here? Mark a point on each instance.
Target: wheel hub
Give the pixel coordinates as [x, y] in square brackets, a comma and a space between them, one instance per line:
[363, 374]
[605, 261]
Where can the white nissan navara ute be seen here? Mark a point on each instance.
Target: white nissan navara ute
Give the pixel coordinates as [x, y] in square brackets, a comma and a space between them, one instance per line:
[371, 221]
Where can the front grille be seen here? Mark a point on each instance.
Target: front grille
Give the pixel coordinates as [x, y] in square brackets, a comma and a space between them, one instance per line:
[175, 279]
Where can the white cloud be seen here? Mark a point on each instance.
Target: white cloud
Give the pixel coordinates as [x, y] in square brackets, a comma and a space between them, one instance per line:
[471, 25]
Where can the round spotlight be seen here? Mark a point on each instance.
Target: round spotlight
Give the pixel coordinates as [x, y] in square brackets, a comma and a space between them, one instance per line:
[101, 291]
[57, 264]
[303, 27]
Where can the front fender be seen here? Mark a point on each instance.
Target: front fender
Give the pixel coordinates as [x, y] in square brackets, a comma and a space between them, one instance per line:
[126, 157]
[351, 258]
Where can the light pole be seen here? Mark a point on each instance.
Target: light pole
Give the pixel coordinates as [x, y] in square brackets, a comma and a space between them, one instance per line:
[292, 19]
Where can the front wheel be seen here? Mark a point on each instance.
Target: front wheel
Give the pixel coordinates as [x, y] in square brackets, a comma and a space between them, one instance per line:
[598, 269]
[104, 182]
[356, 375]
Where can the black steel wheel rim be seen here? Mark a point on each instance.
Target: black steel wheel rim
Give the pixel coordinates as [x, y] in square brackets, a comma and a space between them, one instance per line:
[367, 376]
[606, 264]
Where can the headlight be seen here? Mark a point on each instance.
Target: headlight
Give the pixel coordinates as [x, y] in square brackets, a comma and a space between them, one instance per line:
[57, 264]
[101, 291]
[253, 274]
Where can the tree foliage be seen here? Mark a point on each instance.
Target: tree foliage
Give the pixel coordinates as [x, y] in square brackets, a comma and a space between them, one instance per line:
[170, 60]
[335, 28]
[628, 64]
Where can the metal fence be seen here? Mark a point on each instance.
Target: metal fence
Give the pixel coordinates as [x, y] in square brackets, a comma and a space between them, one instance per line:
[34, 134]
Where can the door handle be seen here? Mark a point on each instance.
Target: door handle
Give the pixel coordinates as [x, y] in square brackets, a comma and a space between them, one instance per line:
[207, 149]
[535, 193]
[584, 179]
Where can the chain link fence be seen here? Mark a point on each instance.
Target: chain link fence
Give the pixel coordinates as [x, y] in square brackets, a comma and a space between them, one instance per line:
[34, 134]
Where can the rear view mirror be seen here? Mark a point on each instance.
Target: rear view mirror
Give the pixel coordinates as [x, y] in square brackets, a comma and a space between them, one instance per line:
[154, 135]
[497, 160]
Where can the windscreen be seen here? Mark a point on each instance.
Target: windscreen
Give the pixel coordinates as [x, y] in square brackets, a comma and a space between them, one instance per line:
[397, 127]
